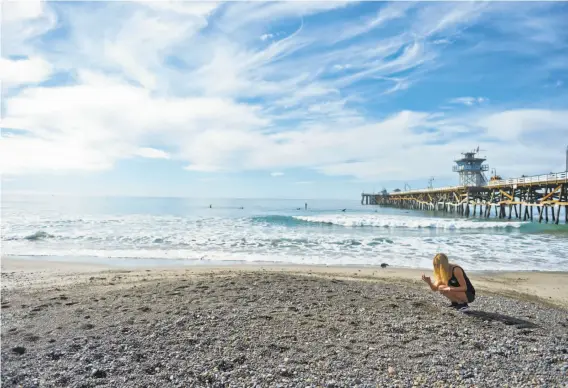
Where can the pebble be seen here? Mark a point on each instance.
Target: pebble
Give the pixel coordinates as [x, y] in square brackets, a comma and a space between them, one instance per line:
[98, 374]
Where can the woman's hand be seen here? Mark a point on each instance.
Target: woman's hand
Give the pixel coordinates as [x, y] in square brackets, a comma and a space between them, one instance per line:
[426, 279]
[444, 289]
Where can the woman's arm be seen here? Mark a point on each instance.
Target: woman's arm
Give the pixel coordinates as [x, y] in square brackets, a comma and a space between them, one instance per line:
[433, 286]
[461, 279]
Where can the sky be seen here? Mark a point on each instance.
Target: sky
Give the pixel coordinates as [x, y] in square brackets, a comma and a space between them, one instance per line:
[277, 99]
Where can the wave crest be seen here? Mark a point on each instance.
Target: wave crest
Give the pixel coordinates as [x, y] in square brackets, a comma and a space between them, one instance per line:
[381, 221]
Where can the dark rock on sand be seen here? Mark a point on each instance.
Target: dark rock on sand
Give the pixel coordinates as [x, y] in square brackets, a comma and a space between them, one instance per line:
[19, 349]
[98, 374]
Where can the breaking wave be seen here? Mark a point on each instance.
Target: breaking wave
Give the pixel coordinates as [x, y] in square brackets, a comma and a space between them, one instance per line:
[383, 221]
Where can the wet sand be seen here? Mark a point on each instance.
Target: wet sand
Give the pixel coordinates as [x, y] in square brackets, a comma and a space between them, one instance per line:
[84, 325]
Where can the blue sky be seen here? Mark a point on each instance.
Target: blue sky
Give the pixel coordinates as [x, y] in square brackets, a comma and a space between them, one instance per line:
[277, 99]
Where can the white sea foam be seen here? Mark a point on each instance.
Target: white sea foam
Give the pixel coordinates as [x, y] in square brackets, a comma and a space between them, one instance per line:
[387, 221]
[400, 240]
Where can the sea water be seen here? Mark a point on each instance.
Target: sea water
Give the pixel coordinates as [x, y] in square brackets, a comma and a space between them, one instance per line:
[167, 230]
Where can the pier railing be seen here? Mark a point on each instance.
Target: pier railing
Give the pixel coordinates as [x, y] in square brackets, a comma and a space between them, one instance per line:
[428, 189]
[552, 178]
[559, 177]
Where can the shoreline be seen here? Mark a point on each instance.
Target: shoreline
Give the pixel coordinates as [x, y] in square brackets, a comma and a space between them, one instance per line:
[547, 287]
[159, 263]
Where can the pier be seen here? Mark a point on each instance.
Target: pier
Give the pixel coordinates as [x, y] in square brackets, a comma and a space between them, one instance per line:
[518, 198]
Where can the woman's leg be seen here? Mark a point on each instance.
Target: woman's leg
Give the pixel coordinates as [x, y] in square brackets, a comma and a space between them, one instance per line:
[456, 296]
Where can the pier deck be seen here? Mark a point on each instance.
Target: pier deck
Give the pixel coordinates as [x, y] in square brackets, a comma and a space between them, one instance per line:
[508, 198]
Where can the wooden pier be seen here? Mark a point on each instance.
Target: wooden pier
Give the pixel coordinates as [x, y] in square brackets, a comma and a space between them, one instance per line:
[506, 198]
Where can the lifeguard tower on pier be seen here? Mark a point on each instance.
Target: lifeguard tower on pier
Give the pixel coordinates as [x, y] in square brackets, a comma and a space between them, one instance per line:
[523, 198]
[471, 169]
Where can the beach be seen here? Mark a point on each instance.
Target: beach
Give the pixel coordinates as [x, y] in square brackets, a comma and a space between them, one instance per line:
[85, 325]
[265, 194]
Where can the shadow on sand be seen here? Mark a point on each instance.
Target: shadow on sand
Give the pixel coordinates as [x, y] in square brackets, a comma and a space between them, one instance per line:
[506, 319]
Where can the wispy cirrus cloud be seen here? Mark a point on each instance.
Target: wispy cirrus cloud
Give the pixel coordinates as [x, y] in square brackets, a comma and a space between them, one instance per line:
[270, 86]
[386, 14]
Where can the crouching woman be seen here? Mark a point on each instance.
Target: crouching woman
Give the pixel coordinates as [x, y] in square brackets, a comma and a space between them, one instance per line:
[452, 282]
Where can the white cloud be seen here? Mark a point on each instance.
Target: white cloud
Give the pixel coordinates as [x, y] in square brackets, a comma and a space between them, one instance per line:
[341, 67]
[194, 79]
[23, 71]
[22, 21]
[464, 100]
[152, 153]
[448, 18]
[197, 8]
[106, 119]
[21, 155]
[277, 173]
[469, 101]
[442, 41]
[388, 12]
[413, 55]
[21, 11]
[138, 46]
[527, 123]
[247, 13]
[395, 147]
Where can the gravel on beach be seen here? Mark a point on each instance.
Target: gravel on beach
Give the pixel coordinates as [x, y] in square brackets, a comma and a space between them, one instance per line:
[261, 329]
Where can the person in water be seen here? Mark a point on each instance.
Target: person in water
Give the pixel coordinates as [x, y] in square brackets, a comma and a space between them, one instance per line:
[452, 282]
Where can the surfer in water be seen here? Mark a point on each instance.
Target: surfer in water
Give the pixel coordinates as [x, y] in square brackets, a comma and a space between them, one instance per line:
[452, 282]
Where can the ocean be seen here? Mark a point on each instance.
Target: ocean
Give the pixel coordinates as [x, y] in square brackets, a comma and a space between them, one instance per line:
[161, 231]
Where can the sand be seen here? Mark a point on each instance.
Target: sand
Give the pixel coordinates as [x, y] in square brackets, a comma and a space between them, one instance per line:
[545, 287]
[85, 325]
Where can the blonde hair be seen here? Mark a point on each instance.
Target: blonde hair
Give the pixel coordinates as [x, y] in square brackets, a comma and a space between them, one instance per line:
[442, 268]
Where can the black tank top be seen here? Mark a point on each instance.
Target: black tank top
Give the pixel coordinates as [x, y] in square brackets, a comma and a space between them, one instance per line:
[454, 281]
